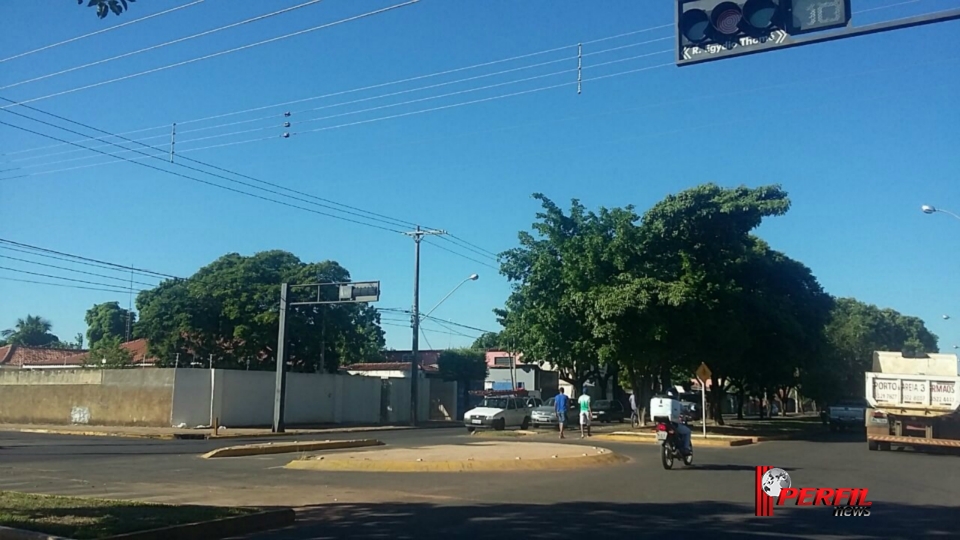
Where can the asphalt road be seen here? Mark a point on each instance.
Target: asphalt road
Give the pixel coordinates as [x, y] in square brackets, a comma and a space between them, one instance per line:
[914, 495]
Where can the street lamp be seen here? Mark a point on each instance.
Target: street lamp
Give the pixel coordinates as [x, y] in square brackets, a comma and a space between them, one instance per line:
[472, 277]
[416, 317]
[927, 209]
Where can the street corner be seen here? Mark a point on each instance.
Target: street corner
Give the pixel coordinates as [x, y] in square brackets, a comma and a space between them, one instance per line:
[288, 447]
[481, 456]
[643, 437]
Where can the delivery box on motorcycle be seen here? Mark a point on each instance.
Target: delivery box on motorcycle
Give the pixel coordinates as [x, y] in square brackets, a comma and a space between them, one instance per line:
[665, 409]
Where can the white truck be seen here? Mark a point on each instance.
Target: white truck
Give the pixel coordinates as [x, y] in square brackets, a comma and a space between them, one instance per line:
[913, 401]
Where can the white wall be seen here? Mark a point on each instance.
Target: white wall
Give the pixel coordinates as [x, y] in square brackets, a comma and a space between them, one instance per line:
[244, 398]
[399, 404]
[191, 398]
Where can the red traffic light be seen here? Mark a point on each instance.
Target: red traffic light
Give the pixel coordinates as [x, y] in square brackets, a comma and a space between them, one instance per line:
[694, 25]
[726, 18]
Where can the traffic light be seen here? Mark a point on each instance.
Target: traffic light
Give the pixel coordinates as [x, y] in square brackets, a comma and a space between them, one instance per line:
[713, 29]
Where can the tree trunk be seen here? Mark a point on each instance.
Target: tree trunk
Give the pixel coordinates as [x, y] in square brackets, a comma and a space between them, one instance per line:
[716, 399]
[740, 396]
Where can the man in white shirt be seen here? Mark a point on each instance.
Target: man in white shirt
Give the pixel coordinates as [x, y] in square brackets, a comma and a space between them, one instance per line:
[634, 417]
[585, 413]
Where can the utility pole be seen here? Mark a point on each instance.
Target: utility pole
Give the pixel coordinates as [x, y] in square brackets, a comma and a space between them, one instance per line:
[415, 320]
[280, 389]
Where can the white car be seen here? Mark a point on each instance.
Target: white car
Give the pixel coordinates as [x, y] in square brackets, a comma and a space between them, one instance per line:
[498, 413]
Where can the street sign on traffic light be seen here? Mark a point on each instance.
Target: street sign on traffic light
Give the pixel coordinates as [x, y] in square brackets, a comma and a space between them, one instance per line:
[714, 29]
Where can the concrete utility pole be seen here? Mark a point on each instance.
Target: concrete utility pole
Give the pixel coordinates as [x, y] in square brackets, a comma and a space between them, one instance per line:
[415, 321]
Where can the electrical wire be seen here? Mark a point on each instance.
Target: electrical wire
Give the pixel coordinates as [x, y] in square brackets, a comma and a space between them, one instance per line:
[372, 87]
[457, 324]
[461, 255]
[161, 45]
[294, 114]
[63, 278]
[125, 280]
[89, 261]
[91, 34]
[118, 291]
[184, 176]
[217, 54]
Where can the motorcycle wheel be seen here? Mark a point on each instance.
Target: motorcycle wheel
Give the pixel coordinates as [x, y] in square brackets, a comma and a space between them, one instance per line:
[688, 460]
[666, 456]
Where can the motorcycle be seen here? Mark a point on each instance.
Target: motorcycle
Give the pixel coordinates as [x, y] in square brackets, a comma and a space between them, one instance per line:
[672, 443]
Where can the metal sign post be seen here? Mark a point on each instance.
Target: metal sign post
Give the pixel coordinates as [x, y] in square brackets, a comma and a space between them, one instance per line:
[348, 293]
[703, 375]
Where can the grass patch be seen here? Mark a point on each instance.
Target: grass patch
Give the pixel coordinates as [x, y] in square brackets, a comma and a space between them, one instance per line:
[84, 519]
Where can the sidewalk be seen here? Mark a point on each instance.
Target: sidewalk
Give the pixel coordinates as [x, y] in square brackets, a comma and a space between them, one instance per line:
[224, 433]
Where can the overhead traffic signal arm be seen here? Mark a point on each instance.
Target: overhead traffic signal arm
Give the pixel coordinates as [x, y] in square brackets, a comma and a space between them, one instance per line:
[713, 29]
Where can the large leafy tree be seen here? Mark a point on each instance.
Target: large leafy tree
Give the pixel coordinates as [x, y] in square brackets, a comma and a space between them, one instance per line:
[545, 316]
[230, 309]
[487, 341]
[855, 330]
[32, 331]
[107, 320]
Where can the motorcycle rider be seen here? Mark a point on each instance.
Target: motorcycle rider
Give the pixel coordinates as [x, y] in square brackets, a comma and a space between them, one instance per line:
[684, 437]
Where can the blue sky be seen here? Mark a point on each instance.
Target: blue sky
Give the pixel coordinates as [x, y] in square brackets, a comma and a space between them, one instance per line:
[860, 132]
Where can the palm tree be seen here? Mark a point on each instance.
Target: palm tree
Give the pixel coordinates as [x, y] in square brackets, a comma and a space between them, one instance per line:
[32, 331]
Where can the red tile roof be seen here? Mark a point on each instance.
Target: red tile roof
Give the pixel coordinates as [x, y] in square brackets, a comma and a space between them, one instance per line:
[138, 349]
[17, 356]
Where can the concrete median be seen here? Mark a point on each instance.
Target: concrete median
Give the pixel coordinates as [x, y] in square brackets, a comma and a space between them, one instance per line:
[649, 437]
[284, 448]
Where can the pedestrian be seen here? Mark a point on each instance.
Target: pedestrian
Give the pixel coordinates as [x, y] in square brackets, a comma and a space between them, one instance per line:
[634, 417]
[585, 412]
[561, 403]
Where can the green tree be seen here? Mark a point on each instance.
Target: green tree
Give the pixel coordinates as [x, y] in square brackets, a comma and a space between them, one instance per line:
[230, 309]
[462, 365]
[33, 331]
[108, 353]
[106, 6]
[487, 341]
[545, 316]
[107, 320]
[855, 330]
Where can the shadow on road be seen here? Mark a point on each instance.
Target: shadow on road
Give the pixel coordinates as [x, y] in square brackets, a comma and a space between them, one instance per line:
[609, 520]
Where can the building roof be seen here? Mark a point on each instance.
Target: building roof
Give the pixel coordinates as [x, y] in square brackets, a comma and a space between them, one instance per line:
[387, 366]
[18, 356]
[138, 349]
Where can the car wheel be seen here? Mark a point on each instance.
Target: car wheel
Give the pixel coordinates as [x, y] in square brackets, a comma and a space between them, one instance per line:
[873, 445]
[535, 426]
[526, 423]
[499, 424]
[471, 429]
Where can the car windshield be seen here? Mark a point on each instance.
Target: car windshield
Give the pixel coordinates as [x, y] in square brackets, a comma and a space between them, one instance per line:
[603, 405]
[495, 403]
[550, 402]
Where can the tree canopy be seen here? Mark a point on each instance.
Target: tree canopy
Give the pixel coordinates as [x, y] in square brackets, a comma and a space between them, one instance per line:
[462, 365]
[32, 331]
[107, 320]
[648, 298]
[108, 353]
[230, 309]
[106, 6]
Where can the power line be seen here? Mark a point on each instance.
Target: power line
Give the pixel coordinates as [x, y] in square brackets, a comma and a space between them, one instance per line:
[457, 324]
[125, 280]
[375, 86]
[119, 291]
[187, 177]
[387, 219]
[360, 111]
[86, 259]
[161, 45]
[214, 55]
[462, 255]
[91, 34]
[294, 114]
[63, 278]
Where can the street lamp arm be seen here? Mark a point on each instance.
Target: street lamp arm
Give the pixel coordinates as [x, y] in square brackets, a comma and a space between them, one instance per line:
[449, 294]
[949, 213]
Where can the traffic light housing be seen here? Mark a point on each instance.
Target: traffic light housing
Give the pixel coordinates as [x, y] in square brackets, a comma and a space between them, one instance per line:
[714, 29]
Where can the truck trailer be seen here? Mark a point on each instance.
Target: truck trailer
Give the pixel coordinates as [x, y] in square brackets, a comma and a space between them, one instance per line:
[913, 401]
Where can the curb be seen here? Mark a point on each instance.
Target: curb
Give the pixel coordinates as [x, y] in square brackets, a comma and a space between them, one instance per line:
[218, 528]
[164, 436]
[709, 443]
[205, 434]
[9, 533]
[500, 465]
[282, 448]
[501, 434]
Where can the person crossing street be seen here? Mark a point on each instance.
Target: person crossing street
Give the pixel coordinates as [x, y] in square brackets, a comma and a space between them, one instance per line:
[585, 412]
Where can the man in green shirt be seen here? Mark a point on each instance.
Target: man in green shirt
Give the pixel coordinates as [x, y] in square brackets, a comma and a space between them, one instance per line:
[585, 412]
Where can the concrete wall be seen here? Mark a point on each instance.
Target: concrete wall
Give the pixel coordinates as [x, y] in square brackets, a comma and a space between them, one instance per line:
[191, 398]
[398, 401]
[525, 376]
[141, 397]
